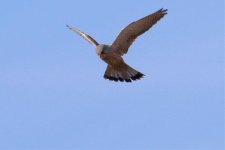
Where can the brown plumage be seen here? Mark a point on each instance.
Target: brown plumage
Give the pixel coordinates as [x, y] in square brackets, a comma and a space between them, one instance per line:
[117, 69]
[127, 36]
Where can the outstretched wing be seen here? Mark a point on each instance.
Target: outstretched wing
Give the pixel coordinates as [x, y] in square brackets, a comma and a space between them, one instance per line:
[127, 36]
[85, 36]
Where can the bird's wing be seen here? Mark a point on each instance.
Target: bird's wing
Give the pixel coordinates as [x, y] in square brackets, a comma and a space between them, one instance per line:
[85, 36]
[127, 36]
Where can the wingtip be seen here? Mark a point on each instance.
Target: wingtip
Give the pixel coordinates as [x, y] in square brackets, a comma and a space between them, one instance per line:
[162, 10]
[68, 26]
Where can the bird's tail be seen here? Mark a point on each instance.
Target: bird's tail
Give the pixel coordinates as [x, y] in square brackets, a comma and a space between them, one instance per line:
[124, 73]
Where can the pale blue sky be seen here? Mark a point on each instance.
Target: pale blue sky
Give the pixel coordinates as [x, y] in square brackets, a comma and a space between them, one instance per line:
[53, 95]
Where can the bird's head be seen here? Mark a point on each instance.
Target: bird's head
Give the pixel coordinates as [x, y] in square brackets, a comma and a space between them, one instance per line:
[99, 49]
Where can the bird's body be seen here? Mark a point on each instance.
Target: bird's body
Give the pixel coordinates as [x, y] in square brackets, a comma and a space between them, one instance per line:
[102, 48]
[117, 69]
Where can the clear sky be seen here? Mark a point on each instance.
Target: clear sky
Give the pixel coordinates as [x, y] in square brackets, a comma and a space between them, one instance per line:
[53, 95]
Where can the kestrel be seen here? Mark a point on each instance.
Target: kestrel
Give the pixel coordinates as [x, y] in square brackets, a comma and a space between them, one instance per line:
[117, 69]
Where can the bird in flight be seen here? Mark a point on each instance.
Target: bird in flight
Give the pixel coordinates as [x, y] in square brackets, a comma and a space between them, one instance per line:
[117, 69]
